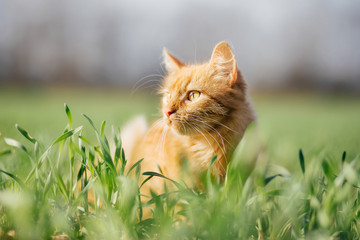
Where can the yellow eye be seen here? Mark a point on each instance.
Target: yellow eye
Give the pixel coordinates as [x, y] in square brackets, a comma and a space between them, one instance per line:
[193, 95]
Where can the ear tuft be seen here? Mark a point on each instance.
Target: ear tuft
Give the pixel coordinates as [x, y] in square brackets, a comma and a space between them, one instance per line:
[171, 63]
[223, 62]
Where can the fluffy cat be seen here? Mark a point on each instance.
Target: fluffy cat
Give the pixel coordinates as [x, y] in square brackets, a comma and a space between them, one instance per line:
[205, 113]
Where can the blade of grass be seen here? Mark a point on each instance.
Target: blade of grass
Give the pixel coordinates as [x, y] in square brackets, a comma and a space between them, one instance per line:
[275, 192]
[118, 146]
[269, 179]
[25, 134]
[90, 121]
[63, 137]
[123, 163]
[147, 179]
[178, 185]
[5, 152]
[343, 157]
[134, 166]
[67, 134]
[302, 161]
[327, 170]
[68, 114]
[85, 190]
[102, 129]
[62, 186]
[213, 159]
[162, 195]
[14, 143]
[18, 180]
[85, 140]
[47, 183]
[104, 147]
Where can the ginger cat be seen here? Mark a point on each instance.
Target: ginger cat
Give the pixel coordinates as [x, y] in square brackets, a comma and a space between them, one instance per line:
[205, 113]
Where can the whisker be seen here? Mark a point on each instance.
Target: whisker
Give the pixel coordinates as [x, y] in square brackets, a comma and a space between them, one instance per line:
[222, 139]
[182, 125]
[199, 130]
[217, 122]
[223, 150]
[223, 145]
[133, 90]
[146, 77]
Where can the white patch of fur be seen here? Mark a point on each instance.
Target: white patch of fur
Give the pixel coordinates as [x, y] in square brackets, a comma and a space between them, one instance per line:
[132, 134]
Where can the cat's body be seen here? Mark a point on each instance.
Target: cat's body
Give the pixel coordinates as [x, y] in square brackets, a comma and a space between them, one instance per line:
[205, 113]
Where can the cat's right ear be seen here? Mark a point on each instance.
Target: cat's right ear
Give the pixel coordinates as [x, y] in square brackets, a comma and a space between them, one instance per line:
[171, 63]
[224, 63]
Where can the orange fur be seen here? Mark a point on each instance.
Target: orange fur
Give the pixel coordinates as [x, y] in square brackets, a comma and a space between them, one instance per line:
[196, 130]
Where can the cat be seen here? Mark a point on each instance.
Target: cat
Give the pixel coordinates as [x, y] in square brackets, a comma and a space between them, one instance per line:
[205, 112]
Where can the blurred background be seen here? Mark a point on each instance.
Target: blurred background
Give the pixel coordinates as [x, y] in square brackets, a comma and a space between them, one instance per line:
[300, 58]
[279, 44]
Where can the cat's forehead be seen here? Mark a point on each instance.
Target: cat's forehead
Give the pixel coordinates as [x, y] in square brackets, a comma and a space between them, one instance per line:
[182, 79]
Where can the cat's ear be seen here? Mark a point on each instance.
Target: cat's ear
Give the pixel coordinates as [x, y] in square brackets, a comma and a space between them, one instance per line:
[224, 63]
[171, 63]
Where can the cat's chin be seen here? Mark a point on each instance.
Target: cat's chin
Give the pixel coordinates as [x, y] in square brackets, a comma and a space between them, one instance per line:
[180, 131]
[178, 128]
[175, 128]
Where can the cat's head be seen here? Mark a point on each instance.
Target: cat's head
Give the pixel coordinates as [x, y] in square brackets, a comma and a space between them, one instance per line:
[198, 98]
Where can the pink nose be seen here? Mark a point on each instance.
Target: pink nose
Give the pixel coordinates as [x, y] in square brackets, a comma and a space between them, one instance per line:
[168, 112]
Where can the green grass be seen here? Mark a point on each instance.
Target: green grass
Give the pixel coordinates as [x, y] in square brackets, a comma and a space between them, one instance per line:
[289, 194]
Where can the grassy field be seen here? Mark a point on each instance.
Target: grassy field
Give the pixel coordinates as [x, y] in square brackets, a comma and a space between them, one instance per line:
[278, 199]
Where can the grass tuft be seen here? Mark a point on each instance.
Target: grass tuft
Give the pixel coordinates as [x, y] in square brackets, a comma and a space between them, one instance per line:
[76, 187]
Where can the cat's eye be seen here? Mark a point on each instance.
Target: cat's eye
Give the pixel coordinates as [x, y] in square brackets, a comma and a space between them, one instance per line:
[193, 95]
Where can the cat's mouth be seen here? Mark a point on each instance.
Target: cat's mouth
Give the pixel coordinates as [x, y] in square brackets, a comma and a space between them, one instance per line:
[171, 123]
[174, 124]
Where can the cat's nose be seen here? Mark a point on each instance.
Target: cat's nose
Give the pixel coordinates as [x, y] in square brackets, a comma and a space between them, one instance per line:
[168, 112]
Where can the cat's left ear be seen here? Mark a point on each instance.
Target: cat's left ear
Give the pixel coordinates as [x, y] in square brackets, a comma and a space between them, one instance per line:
[224, 63]
[171, 63]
